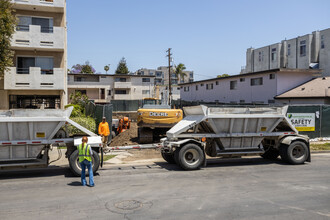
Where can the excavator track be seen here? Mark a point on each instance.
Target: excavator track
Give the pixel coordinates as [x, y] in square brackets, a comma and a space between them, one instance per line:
[145, 135]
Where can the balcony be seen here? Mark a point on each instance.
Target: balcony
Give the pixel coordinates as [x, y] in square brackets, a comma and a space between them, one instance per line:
[40, 5]
[35, 37]
[34, 79]
[122, 97]
[122, 85]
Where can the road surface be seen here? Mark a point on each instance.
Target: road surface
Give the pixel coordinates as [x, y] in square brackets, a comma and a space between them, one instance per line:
[251, 188]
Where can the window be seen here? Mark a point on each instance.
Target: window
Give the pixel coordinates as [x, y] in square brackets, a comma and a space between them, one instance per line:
[109, 92]
[270, 101]
[242, 79]
[46, 24]
[151, 73]
[259, 56]
[120, 79]
[178, 88]
[191, 75]
[196, 87]
[158, 81]
[159, 74]
[141, 73]
[289, 49]
[217, 83]
[186, 89]
[233, 85]
[145, 79]
[45, 64]
[202, 84]
[273, 54]
[145, 92]
[173, 75]
[120, 92]
[209, 86]
[322, 41]
[303, 48]
[272, 76]
[256, 81]
[242, 101]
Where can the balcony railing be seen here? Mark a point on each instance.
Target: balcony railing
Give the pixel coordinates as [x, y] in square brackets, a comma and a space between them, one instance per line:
[122, 85]
[56, 5]
[34, 78]
[35, 37]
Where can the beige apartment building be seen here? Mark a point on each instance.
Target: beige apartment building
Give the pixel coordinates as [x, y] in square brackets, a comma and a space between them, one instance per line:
[38, 77]
[103, 88]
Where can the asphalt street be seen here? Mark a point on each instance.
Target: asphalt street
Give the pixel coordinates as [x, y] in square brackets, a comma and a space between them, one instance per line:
[250, 188]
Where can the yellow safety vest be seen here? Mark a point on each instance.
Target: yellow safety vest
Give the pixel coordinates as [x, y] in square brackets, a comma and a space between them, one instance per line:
[83, 153]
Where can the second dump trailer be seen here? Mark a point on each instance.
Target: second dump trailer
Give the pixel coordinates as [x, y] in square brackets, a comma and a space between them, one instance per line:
[226, 132]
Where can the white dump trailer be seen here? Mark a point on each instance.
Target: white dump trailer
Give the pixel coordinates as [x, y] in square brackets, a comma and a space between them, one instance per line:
[27, 135]
[227, 132]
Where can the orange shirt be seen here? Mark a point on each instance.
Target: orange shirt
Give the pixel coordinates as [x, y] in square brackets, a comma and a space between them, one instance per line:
[104, 129]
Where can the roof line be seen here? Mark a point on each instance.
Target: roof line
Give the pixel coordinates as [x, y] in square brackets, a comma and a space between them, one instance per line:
[297, 86]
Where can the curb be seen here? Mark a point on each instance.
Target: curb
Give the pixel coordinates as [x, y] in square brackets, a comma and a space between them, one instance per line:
[320, 151]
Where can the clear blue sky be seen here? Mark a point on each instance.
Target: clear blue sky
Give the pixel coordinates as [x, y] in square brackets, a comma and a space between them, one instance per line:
[209, 36]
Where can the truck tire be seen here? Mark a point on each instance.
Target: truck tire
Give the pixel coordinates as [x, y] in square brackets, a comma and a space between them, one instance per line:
[113, 134]
[145, 136]
[190, 157]
[295, 153]
[75, 165]
[271, 154]
[169, 158]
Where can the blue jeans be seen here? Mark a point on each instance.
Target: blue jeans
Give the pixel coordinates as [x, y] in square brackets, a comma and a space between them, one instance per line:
[83, 165]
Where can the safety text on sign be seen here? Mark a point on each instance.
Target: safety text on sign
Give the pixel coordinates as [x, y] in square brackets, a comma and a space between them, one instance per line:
[302, 121]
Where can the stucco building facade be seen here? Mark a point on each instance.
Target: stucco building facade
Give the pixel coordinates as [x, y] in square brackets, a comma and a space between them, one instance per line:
[103, 88]
[38, 77]
[311, 51]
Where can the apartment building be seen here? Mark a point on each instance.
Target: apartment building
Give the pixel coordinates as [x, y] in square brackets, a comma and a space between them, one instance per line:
[102, 88]
[38, 77]
[252, 88]
[311, 51]
[162, 77]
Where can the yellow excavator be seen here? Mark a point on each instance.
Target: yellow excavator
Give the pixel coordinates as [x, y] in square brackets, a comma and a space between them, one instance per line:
[154, 119]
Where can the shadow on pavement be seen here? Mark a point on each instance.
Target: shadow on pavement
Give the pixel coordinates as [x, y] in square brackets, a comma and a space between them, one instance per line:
[75, 183]
[224, 162]
[39, 172]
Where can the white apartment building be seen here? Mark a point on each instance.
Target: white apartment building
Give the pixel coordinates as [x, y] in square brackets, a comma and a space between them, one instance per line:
[38, 77]
[162, 77]
[251, 88]
[102, 88]
[311, 51]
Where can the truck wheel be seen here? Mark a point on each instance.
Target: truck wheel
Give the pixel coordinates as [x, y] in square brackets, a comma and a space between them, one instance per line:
[113, 134]
[190, 157]
[271, 154]
[169, 158]
[75, 165]
[145, 136]
[295, 153]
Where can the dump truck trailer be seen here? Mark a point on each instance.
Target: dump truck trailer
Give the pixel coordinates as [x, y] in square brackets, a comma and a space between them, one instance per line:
[228, 132]
[27, 135]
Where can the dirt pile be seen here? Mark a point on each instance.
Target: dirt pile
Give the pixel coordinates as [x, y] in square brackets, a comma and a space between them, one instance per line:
[128, 137]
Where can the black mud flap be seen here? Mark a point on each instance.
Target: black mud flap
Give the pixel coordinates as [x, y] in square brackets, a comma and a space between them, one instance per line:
[309, 154]
[101, 157]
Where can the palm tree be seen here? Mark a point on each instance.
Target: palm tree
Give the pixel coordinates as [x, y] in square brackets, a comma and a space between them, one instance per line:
[179, 71]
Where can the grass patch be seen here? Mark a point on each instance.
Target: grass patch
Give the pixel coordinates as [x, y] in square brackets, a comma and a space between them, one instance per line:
[108, 157]
[317, 147]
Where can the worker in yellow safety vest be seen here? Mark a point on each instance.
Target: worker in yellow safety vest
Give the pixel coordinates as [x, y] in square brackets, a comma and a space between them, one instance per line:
[104, 131]
[85, 154]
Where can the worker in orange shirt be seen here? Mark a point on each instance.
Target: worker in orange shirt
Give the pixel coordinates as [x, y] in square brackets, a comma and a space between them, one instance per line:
[104, 131]
[123, 124]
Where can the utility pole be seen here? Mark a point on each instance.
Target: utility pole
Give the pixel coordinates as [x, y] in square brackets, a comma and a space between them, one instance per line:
[169, 76]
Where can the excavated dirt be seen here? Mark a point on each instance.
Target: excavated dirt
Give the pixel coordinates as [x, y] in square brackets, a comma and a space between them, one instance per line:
[128, 137]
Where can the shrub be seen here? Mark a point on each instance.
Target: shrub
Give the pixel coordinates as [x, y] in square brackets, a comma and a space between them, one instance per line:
[87, 122]
[78, 110]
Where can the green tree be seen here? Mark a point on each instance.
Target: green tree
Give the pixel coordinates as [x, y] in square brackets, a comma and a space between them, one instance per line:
[77, 98]
[84, 68]
[106, 68]
[122, 67]
[7, 29]
[179, 71]
[223, 75]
